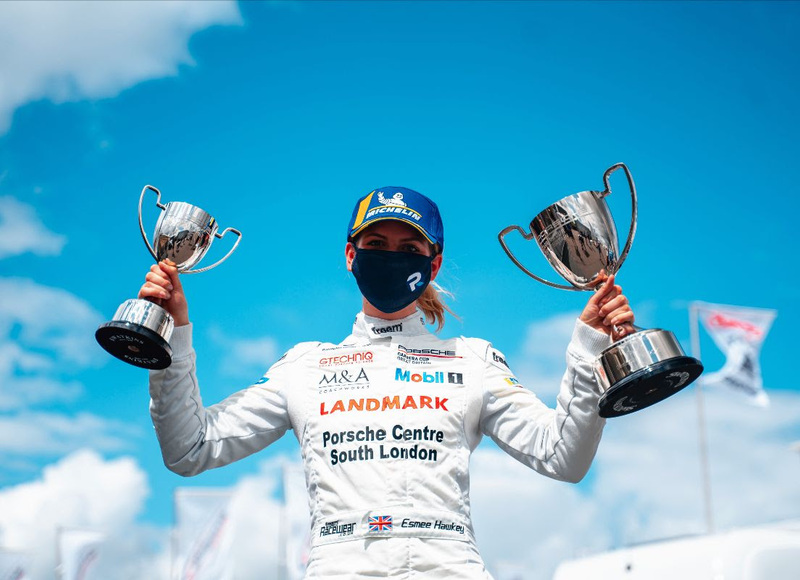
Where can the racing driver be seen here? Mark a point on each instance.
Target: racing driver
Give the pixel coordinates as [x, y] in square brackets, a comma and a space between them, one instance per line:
[387, 419]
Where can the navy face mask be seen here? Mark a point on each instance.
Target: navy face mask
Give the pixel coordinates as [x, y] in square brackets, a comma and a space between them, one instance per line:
[390, 281]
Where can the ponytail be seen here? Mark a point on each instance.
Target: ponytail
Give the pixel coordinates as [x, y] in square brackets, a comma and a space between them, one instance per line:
[430, 302]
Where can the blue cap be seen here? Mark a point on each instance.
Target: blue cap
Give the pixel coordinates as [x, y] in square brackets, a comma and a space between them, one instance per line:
[401, 204]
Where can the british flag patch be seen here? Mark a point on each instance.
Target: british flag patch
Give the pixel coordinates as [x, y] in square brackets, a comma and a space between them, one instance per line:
[380, 523]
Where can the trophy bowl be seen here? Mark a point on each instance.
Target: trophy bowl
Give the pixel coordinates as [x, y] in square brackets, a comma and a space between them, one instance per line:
[140, 330]
[578, 236]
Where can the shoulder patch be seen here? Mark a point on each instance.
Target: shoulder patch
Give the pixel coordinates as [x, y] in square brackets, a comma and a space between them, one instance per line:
[497, 358]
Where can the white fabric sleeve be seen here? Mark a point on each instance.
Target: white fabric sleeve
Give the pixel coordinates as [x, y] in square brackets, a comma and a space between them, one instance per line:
[194, 438]
[561, 442]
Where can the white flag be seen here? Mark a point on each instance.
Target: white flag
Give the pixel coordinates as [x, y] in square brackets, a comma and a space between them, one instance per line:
[739, 333]
[78, 552]
[297, 540]
[203, 535]
[14, 565]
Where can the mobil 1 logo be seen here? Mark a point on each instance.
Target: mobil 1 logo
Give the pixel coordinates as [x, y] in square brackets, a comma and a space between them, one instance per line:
[436, 377]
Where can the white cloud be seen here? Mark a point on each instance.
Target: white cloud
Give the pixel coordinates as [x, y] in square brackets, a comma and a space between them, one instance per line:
[68, 51]
[46, 339]
[25, 392]
[21, 231]
[645, 484]
[85, 491]
[51, 323]
[46, 335]
[244, 357]
[527, 522]
[753, 472]
[48, 434]
[255, 513]
[541, 359]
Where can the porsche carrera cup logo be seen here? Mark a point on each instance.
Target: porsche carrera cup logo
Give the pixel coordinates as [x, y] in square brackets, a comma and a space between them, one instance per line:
[423, 356]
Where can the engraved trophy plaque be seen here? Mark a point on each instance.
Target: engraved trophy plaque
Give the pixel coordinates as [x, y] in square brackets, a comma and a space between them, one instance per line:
[140, 330]
[578, 237]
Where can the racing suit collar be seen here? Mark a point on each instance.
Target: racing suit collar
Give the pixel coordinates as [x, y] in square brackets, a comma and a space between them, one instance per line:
[373, 328]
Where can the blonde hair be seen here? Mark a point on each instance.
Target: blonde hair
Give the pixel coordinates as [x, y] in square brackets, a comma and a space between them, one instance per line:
[432, 306]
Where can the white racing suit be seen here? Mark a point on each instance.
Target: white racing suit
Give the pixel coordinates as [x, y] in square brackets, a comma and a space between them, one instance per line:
[386, 421]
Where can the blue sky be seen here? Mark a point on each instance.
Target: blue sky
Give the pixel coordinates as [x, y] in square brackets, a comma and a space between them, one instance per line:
[276, 116]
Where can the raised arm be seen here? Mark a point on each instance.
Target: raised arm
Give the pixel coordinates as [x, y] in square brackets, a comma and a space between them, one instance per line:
[194, 438]
[560, 442]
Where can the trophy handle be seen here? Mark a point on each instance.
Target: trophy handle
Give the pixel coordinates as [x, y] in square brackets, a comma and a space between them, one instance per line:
[528, 236]
[225, 257]
[141, 225]
[634, 206]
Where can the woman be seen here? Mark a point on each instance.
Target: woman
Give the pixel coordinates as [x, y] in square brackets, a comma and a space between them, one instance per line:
[387, 419]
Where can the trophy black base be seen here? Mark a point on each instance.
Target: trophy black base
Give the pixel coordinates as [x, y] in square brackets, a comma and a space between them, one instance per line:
[135, 344]
[649, 385]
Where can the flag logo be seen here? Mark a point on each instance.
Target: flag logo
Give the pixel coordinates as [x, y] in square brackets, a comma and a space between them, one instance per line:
[380, 523]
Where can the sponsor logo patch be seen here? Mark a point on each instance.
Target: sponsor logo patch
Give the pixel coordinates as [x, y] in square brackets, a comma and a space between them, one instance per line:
[395, 209]
[343, 380]
[432, 352]
[386, 404]
[379, 330]
[346, 359]
[337, 528]
[407, 376]
[499, 359]
[423, 356]
[396, 199]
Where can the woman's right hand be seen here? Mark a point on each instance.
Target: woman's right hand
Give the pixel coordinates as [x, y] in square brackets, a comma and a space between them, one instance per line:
[163, 287]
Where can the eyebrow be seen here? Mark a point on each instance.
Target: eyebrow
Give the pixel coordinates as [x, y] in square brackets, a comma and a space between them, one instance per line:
[415, 238]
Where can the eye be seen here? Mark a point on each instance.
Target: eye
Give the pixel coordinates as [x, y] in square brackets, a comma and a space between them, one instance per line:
[411, 248]
[374, 243]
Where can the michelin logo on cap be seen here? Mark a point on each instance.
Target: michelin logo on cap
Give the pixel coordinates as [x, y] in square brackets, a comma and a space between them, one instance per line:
[396, 199]
[400, 204]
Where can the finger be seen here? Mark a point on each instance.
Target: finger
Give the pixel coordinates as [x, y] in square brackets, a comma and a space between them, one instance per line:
[150, 290]
[612, 295]
[171, 270]
[620, 318]
[157, 291]
[159, 280]
[603, 291]
[612, 304]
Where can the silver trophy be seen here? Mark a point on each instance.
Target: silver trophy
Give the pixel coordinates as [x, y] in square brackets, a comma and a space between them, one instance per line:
[579, 238]
[140, 331]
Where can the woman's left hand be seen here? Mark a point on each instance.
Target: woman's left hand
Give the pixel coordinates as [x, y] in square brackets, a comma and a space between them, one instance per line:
[609, 312]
